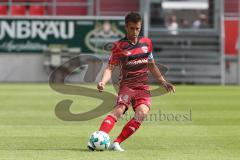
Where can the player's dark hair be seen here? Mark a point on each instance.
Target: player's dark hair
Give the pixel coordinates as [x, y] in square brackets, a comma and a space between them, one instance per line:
[133, 17]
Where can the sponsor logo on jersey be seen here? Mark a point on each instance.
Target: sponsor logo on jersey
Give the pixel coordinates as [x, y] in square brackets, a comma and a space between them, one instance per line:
[140, 61]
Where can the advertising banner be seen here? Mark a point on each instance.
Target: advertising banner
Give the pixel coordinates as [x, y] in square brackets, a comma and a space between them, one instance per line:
[37, 35]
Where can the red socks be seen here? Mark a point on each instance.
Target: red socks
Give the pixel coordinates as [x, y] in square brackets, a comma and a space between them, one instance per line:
[107, 124]
[128, 130]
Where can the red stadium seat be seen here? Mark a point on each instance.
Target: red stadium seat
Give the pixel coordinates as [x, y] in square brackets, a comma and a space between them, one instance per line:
[38, 0]
[18, 10]
[24, 1]
[71, 10]
[110, 7]
[3, 10]
[231, 6]
[36, 10]
[85, 1]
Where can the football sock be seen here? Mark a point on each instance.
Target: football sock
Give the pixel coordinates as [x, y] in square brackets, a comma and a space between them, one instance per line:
[107, 124]
[128, 130]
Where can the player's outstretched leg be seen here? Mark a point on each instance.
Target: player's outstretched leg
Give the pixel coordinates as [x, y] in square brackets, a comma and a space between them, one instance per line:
[109, 122]
[131, 127]
[127, 131]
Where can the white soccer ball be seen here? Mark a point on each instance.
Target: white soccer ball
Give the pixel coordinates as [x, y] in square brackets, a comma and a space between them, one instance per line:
[99, 140]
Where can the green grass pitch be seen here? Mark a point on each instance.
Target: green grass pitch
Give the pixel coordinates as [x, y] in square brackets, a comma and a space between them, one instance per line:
[208, 127]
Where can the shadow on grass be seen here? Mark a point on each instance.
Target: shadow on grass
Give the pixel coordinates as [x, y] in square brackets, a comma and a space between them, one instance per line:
[48, 149]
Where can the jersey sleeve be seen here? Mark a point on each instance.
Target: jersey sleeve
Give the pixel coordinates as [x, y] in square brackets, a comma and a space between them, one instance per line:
[114, 58]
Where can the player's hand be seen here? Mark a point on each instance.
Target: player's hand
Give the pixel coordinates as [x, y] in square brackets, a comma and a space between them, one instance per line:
[168, 86]
[100, 86]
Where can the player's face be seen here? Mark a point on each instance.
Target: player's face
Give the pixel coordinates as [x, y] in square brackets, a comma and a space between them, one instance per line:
[133, 30]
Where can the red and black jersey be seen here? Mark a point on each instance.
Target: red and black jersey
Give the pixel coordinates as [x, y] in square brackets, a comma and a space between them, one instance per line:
[133, 61]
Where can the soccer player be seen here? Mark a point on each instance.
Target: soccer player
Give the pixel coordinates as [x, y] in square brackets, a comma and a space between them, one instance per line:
[134, 56]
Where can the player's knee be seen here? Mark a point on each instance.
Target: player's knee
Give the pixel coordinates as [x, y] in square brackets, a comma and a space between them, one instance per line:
[118, 112]
[141, 115]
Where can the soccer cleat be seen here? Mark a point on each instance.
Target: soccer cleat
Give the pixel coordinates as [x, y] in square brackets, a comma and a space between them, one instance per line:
[116, 147]
[90, 147]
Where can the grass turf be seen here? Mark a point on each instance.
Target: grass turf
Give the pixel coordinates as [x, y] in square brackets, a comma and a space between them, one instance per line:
[210, 130]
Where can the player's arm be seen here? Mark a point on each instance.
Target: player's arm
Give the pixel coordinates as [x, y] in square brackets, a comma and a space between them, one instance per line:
[157, 74]
[106, 77]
